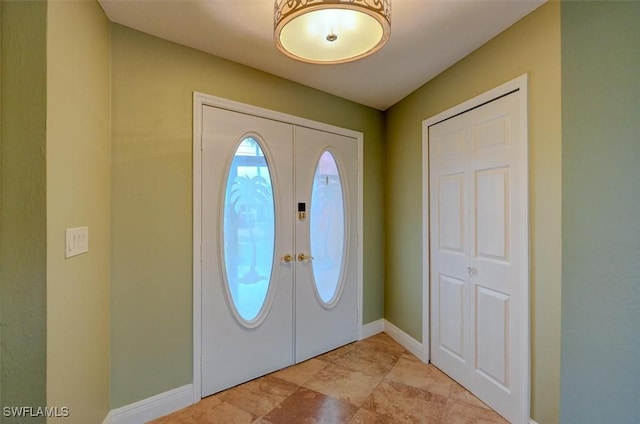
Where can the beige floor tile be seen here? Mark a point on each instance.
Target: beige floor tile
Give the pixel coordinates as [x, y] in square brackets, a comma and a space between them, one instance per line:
[310, 407]
[344, 384]
[211, 413]
[461, 394]
[406, 404]
[463, 413]
[368, 417]
[335, 354]
[391, 385]
[190, 415]
[224, 413]
[259, 396]
[413, 372]
[367, 360]
[383, 342]
[210, 401]
[303, 372]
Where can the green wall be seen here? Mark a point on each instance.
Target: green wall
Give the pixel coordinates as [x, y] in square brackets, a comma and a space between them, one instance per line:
[151, 271]
[23, 205]
[530, 46]
[78, 194]
[1, 57]
[601, 212]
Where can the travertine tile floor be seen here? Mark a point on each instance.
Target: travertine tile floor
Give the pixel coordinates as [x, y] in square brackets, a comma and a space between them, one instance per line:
[372, 381]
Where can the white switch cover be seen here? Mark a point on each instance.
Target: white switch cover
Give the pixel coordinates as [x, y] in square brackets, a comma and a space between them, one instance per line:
[77, 241]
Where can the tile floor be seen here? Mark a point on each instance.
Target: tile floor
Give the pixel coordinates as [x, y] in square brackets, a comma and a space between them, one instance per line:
[372, 381]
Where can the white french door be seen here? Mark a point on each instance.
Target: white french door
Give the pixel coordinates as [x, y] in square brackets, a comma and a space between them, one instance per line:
[279, 275]
[247, 292]
[325, 291]
[478, 239]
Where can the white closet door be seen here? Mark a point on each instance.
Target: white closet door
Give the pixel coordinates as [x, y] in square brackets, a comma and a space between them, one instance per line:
[477, 236]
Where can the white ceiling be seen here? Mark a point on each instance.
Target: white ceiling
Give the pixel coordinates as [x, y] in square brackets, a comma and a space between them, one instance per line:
[427, 36]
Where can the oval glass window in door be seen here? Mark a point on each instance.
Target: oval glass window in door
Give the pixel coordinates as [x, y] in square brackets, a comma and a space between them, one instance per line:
[327, 226]
[249, 229]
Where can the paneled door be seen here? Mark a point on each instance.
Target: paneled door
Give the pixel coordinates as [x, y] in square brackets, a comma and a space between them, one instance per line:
[279, 281]
[477, 231]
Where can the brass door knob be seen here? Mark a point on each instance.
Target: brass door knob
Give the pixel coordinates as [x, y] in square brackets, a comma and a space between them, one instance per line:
[287, 258]
[302, 257]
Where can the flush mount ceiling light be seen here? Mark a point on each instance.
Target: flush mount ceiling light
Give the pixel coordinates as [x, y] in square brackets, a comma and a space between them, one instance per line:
[331, 31]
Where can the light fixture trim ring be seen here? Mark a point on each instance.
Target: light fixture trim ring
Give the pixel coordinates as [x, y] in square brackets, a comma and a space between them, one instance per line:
[382, 15]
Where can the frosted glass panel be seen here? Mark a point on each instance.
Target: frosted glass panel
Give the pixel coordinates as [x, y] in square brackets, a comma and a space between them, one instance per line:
[249, 229]
[327, 227]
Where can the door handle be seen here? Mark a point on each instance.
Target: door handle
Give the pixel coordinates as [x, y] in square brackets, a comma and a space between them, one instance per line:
[471, 271]
[302, 257]
[288, 258]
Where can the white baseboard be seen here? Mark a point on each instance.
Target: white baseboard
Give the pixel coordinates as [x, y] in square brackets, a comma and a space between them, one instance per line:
[107, 419]
[372, 328]
[153, 407]
[532, 422]
[405, 340]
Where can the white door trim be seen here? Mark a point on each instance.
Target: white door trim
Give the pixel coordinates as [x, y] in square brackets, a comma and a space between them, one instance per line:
[518, 84]
[200, 100]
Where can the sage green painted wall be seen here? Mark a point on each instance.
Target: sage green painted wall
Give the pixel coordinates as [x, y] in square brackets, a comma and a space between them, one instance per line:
[78, 194]
[530, 46]
[601, 212]
[23, 203]
[1, 57]
[151, 273]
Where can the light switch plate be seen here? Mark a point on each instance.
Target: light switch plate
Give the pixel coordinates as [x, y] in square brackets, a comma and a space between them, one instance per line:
[77, 241]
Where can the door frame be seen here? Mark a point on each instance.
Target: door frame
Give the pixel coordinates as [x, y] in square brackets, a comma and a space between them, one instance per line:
[518, 84]
[200, 100]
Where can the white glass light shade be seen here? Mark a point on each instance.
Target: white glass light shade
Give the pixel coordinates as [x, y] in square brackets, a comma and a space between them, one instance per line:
[331, 31]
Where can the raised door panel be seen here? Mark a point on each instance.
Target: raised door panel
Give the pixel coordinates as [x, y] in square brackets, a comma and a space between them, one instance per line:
[451, 331]
[492, 206]
[492, 340]
[451, 207]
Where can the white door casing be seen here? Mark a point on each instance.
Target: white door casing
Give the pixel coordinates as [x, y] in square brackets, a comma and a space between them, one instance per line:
[477, 247]
[278, 167]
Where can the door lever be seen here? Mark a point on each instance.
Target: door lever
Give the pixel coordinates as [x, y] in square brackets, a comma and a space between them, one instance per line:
[302, 257]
